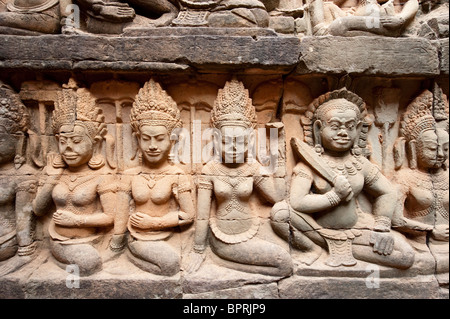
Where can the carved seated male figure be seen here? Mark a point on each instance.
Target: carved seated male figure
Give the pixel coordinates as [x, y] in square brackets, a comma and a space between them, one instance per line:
[223, 13]
[423, 204]
[78, 182]
[17, 185]
[323, 210]
[161, 192]
[233, 229]
[368, 18]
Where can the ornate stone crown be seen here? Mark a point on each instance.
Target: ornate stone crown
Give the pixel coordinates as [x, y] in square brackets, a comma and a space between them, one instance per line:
[14, 116]
[233, 106]
[153, 106]
[418, 117]
[77, 106]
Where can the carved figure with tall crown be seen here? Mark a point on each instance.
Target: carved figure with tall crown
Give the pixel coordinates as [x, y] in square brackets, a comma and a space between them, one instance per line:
[160, 191]
[79, 182]
[17, 184]
[423, 203]
[231, 178]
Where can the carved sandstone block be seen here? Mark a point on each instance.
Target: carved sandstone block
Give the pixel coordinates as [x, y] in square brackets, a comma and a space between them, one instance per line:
[368, 55]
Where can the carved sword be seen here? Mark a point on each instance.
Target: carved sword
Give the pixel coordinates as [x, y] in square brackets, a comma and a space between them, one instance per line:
[317, 163]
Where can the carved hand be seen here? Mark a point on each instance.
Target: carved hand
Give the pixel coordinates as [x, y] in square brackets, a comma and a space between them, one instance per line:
[440, 232]
[383, 243]
[66, 218]
[194, 261]
[117, 12]
[342, 187]
[184, 218]
[143, 221]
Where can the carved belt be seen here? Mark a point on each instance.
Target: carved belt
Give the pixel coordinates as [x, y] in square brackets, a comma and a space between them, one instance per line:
[234, 238]
[340, 246]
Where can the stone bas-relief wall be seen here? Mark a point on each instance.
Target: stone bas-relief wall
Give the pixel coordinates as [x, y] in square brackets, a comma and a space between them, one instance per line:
[224, 149]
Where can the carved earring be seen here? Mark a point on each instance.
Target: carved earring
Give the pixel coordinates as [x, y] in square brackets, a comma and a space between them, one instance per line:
[19, 159]
[317, 140]
[412, 154]
[97, 161]
[58, 162]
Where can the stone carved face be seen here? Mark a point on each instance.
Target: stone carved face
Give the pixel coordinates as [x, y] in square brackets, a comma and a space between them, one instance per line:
[338, 129]
[154, 143]
[432, 149]
[443, 141]
[75, 145]
[7, 146]
[234, 143]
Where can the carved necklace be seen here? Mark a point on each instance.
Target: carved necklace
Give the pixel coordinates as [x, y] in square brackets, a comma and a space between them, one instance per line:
[153, 178]
[73, 182]
[233, 177]
[349, 167]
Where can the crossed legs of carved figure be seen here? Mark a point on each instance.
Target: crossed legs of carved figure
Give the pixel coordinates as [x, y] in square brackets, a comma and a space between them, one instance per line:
[157, 257]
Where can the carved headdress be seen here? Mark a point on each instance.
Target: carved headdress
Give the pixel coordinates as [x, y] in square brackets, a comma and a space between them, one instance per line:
[233, 106]
[77, 106]
[153, 106]
[341, 99]
[418, 117]
[14, 117]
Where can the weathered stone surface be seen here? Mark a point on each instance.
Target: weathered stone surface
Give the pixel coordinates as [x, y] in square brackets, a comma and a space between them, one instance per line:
[118, 280]
[444, 47]
[368, 55]
[149, 53]
[363, 288]
[178, 50]
[261, 291]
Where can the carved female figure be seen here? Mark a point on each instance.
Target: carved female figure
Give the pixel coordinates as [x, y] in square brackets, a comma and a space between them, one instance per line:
[161, 192]
[231, 180]
[323, 209]
[78, 182]
[17, 184]
[423, 203]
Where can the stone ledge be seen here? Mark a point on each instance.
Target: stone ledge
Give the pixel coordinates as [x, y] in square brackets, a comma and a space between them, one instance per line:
[120, 279]
[181, 50]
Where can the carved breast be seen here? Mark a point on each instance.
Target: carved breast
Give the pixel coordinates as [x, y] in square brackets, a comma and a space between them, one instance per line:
[79, 196]
[157, 190]
[227, 187]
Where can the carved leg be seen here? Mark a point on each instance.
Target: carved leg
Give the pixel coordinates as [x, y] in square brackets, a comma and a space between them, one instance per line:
[85, 256]
[167, 11]
[290, 227]
[241, 17]
[402, 257]
[8, 248]
[354, 25]
[156, 257]
[440, 254]
[254, 256]
[45, 22]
